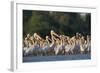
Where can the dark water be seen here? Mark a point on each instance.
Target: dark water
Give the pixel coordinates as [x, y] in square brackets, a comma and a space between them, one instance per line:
[56, 58]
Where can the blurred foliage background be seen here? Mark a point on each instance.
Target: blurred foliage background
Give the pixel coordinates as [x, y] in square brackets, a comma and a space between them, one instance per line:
[67, 23]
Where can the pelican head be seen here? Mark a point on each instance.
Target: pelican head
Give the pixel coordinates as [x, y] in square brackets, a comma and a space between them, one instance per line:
[52, 31]
[28, 35]
[35, 34]
[47, 37]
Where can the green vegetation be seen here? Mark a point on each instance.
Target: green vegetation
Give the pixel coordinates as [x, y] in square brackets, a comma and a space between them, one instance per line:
[66, 23]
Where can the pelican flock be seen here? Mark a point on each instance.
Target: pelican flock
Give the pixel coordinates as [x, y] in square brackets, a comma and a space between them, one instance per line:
[56, 44]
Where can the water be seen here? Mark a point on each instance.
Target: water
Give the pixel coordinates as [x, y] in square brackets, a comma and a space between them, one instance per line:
[56, 58]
